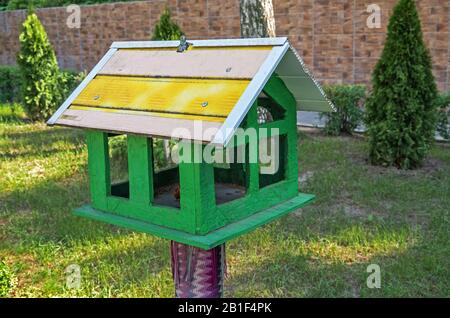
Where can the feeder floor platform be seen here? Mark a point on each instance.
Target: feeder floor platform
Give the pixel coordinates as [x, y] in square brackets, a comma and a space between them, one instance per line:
[224, 193]
[209, 240]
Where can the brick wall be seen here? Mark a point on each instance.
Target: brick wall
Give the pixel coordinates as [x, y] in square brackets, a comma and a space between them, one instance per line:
[331, 35]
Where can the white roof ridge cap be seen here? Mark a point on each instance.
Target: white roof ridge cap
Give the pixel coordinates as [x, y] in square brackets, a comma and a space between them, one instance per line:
[275, 41]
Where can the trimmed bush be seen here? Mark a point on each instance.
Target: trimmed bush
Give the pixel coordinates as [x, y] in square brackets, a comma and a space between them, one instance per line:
[118, 149]
[40, 71]
[443, 106]
[3, 5]
[348, 100]
[11, 113]
[166, 29]
[68, 81]
[10, 84]
[25, 4]
[401, 111]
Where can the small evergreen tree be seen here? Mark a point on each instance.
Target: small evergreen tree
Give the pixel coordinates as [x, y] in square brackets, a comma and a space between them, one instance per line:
[39, 69]
[401, 112]
[166, 29]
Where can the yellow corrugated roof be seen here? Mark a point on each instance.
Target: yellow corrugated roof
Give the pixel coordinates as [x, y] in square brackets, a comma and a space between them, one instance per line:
[205, 99]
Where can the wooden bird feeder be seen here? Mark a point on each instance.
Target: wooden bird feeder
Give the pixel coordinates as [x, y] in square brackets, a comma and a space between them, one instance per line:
[147, 90]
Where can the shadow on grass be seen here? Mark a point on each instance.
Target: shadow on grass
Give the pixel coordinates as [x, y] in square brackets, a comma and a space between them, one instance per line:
[44, 141]
[37, 222]
[40, 223]
[317, 258]
[288, 275]
[132, 264]
[44, 212]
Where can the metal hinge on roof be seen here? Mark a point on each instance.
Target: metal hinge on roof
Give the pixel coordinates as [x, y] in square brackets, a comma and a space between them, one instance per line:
[184, 44]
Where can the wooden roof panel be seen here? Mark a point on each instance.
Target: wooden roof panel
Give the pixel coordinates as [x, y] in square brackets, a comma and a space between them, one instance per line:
[138, 124]
[240, 62]
[147, 113]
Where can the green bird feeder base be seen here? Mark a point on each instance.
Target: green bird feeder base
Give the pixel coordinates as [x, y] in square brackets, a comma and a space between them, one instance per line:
[211, 239]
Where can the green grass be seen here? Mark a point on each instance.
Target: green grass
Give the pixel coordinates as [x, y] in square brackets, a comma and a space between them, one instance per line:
[363, 215]
[11, 113]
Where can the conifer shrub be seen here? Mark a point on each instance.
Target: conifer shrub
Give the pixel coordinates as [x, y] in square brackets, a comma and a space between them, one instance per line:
[401, 110]
[166, 29]
[39, 69]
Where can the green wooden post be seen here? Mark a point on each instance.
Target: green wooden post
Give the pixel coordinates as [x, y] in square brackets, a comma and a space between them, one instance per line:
[252, 147]
[187, 187]
[140, 165]
[98, 165]
[197, 187]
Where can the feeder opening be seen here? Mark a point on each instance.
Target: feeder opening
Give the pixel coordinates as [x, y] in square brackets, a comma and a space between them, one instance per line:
[118, 165]
[269, 111]
[230, 175]
[273, 160]
[166, 176]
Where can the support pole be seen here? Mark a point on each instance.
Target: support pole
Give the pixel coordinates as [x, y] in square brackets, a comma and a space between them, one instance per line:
[197, 273]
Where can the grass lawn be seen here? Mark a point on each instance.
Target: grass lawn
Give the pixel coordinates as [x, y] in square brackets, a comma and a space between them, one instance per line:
[399, 220]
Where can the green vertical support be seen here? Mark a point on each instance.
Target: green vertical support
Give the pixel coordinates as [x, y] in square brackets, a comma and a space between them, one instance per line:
[140, 165]
[292, 155]
[204, 176]
[197, 196]
[188, 186]
[98, 165]
[292, 162]
[253, 168]
[278, 91]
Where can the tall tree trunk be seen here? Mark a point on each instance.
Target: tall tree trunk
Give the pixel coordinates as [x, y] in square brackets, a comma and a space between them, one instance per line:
[257, 18]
